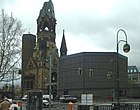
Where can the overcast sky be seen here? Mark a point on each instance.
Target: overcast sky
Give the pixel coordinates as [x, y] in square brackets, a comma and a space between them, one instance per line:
[90, 25]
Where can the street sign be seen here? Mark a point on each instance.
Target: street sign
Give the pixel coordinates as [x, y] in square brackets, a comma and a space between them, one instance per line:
[89, 99]
[86, 99]
[83, 99]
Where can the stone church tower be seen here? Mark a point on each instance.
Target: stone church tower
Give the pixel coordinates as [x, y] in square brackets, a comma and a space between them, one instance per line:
[41, 69]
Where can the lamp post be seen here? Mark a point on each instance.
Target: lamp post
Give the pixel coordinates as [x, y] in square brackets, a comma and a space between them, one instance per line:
[126, 48]
[50, 90]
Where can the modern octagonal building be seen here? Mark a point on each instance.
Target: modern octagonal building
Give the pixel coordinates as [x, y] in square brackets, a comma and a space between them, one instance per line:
[91, 73]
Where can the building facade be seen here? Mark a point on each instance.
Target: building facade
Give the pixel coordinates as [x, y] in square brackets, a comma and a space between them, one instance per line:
[133, 82]
[133, 75]
[91, 72]
[28, 44]
[40, 58]
[85, 72]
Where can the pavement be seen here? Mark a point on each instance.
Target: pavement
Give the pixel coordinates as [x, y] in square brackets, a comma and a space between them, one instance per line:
[56, 106]
[64, 106]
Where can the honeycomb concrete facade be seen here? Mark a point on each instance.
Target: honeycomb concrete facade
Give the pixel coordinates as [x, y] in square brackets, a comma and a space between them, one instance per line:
[91, 72]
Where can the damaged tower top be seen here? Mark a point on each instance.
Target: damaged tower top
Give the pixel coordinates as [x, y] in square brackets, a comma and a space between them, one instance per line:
[46, 20]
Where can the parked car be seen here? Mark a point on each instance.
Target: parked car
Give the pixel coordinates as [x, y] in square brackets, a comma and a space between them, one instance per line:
[47, 97]
[46, 103]
[24, 98]
[67, 98]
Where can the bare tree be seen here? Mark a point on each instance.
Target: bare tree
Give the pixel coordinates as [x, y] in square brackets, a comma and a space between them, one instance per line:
[11, 31]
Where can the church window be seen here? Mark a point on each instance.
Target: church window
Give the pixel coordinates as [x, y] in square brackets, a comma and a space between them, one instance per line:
[54, 77]
[31, 83]
[39, 64]
[90, 72]
[44, 64]
[79, 71]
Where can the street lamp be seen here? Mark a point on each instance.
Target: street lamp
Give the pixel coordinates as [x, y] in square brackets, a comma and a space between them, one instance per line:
[50, 85]
[50, 90]
[126, 48]
[51, 67]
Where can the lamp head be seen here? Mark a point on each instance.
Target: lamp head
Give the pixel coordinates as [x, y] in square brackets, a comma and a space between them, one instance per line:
[126, 48]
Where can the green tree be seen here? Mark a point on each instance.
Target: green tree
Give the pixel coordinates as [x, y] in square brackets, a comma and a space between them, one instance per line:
[11, 30]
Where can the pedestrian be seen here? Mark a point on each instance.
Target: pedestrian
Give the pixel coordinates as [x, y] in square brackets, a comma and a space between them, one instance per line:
[5, 104]
[14, 105]
[111, 98]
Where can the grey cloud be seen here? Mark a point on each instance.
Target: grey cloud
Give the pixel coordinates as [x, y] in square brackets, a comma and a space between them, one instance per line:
[102, 29]
[97, 28]
[5, 3]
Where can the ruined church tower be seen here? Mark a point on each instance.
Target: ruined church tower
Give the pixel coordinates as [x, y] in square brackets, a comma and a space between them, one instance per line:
[43, 63]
